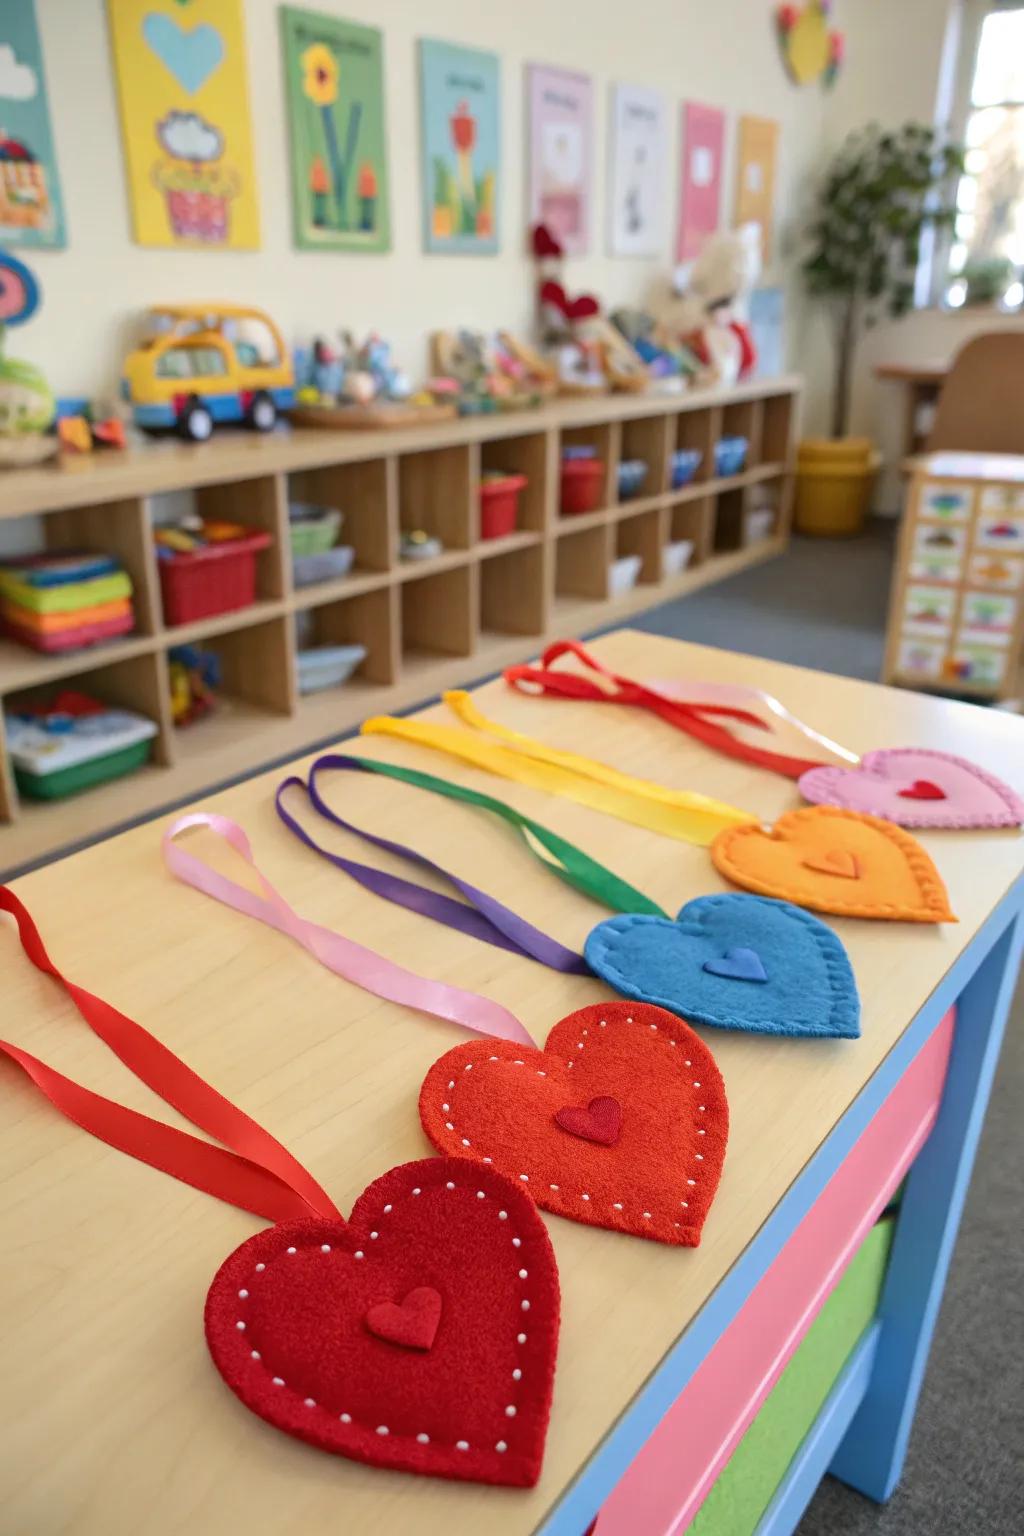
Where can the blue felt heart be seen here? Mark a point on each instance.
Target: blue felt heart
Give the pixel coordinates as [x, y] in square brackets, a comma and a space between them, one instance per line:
[690, 966]
[738, 964]
[192, 56]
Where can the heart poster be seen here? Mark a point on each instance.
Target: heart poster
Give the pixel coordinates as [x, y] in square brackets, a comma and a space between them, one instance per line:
[183, 90]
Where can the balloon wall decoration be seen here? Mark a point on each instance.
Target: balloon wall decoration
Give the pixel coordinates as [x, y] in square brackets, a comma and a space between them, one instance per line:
[811, 48]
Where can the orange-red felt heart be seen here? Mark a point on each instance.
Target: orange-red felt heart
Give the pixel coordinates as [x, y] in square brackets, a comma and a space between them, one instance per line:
[600, 1120]
[496, 1103]
[412, 1322]
[288, 1323]
[922, 789]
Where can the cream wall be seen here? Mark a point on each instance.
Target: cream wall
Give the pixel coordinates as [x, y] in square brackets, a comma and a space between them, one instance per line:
[724, 53]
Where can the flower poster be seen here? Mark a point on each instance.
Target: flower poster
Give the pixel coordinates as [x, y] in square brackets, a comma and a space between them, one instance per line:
[460, 104]
[334, 78]
[31, 211]
[561, 154]
[639, 134]
[700, 184]
[184, 96]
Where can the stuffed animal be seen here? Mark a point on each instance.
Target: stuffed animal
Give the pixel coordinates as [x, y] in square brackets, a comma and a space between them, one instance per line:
[707, 308]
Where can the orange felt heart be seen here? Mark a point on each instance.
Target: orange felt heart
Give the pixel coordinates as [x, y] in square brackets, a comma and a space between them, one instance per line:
[806, 858]
[493, 1101]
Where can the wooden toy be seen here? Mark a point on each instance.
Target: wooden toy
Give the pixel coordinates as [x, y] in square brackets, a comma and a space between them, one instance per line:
[209, 363]
[360, 387]
[493, 372]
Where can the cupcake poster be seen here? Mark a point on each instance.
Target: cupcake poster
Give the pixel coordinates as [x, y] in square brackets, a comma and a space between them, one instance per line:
[31, 212]
[184, 97]
[334, 80]
[461, 115]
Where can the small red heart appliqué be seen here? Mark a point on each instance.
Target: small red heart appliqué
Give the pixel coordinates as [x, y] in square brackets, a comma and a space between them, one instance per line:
[600, 1121]
[496, 1103]
[922, 789]
[412, 1322]
[288, 1323]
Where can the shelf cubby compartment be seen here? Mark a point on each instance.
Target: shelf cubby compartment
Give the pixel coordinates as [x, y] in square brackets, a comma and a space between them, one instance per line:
[699, 429]
[762, 511]
[646, 438]
[582, 561]
[642, 534]
[742, 418]
[257, 666]
[729, 519]
[436, 494]
[8, 793]
[777, 429]
[530, 455]
[119, 529]
[439, 614]
[258, 503]
[365, 494]
[513, 592]
[693, 521]
[603, 437]
[369, 619]
[138, 683]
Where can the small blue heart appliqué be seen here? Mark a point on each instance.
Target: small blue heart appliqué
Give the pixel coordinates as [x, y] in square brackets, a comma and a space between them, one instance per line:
[738, 964]
[697, 966]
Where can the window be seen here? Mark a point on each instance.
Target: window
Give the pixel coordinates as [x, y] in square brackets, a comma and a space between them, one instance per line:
[986, 253]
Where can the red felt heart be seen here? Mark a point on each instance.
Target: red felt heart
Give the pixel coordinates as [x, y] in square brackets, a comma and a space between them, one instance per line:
[499, 1104]
[287, 1312]
[601, 1121]
[836, 861]
[922, 789]
[412, 1323]
[544, 242]
[554, 294]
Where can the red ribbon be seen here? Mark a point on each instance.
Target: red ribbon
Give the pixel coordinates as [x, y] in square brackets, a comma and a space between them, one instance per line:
[695, 719]
[258, 1173]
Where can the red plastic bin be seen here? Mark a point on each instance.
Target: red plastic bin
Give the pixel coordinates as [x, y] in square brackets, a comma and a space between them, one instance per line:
[499, 505]
[215, 579]
[582, 480]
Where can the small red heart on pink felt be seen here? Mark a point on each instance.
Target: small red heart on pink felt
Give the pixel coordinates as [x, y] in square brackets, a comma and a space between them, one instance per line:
[600, 1121]
[922, 789]
[296, 1326]
[413, 1323]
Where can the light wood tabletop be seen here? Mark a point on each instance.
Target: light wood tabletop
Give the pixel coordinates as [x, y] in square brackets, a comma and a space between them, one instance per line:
[113, 1418]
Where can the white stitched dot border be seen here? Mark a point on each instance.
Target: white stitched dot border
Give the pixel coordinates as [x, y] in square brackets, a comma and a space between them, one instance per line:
[422, 1438]
[617, 1205]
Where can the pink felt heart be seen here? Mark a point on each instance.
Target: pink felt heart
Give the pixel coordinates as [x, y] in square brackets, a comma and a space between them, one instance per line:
[889, 783]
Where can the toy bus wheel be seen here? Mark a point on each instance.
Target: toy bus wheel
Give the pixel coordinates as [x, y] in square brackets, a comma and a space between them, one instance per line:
[262, 413]
[195, 422]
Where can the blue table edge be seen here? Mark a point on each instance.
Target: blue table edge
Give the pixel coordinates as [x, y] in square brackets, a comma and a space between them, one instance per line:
[577, 1505]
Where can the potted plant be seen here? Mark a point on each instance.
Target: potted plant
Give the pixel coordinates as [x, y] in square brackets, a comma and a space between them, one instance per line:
[880, 194]
[986, 280]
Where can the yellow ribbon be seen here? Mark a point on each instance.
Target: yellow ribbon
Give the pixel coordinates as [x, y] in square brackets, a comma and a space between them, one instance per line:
[675, 813]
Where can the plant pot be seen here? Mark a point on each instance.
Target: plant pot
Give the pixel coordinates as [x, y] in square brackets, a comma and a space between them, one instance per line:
[834, 482]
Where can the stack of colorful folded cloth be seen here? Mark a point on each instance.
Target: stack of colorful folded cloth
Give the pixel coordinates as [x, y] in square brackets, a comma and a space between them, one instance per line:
[59, 602]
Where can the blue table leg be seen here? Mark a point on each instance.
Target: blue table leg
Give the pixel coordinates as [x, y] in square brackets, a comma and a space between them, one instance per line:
[872, 1453]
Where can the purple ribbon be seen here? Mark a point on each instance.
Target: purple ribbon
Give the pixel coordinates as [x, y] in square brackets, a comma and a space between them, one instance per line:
[485, 918]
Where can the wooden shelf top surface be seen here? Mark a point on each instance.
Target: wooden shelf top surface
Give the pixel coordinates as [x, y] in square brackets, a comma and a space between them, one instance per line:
[109, 1391]
[169, 464]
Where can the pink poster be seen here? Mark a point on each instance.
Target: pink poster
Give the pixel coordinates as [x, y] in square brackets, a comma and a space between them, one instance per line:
[700, 185]
[561, 154]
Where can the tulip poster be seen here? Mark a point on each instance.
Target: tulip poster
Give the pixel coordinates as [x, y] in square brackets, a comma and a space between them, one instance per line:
[334, 81]
[461, 117]
[31, 212]
[183, 89]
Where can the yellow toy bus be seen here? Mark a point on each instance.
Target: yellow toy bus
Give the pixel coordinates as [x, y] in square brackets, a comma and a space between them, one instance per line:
[208, 363]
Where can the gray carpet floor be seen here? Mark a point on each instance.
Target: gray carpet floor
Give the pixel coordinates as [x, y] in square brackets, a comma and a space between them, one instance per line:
[965, 1468]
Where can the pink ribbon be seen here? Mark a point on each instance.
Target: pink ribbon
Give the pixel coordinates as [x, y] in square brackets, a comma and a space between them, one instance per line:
[343, 956]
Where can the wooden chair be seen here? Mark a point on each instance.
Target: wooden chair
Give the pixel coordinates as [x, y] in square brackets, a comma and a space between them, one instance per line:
[981, 408]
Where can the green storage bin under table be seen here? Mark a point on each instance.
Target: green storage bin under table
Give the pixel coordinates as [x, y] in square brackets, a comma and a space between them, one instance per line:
[748, 1483]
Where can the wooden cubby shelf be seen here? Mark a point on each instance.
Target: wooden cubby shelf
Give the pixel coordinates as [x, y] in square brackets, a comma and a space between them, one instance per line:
[427, 625]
